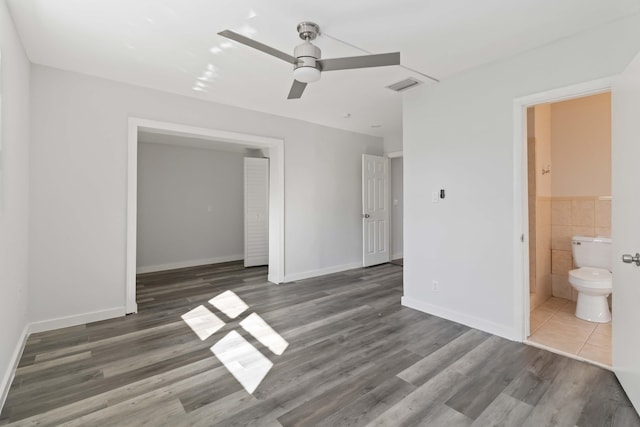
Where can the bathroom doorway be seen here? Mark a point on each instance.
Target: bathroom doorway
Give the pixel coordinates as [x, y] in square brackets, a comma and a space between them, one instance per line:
[568, 153]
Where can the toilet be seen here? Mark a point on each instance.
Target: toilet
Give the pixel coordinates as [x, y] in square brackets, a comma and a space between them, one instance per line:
[592, 279]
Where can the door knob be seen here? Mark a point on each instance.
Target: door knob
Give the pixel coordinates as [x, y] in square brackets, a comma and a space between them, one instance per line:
[367, 216]
[626, 258]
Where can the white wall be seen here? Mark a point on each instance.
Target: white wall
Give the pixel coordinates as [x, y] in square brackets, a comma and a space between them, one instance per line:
[458, 135]
[14, 214]
[393, 143]
[190, 206]
[78, 178]
[397, 204]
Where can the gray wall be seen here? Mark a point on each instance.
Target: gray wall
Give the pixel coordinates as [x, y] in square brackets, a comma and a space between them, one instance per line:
[393, 143]
[190, 206]
[397, 204]
[459, 135]
[79, 186]
[14, 194]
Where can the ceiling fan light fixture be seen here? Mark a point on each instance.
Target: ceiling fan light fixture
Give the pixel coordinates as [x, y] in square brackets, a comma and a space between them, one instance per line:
[306, 58]
[306, 74]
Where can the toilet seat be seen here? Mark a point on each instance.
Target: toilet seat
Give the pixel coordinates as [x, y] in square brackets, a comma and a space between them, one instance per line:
[590, 277]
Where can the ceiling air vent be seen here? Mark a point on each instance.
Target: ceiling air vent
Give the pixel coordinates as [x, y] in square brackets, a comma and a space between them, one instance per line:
[404, 84]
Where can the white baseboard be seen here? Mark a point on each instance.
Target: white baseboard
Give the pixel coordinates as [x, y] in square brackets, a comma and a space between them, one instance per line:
[7, 379]
[321, 272]
[49, 325]
[458, 317]
[185, 264]
[78, 319]
[396, 256]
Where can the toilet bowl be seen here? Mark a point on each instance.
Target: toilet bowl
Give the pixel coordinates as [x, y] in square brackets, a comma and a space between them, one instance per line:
[594, 286]
[592, 279]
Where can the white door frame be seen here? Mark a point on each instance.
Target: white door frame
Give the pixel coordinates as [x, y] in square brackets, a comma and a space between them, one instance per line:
[394, 154]
[520, 189]
[275, 147]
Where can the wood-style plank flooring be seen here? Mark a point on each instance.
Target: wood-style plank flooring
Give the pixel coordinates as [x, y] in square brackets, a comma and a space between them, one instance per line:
[355, 357]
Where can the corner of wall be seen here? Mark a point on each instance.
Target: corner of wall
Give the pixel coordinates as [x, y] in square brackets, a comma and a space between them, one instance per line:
[393, 143]
[10, 371]
[14, 199]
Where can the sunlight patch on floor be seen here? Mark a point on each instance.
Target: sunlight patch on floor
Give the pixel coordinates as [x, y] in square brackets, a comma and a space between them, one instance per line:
[245, 362]
[229, 303]
[256, 326]
[203, 322]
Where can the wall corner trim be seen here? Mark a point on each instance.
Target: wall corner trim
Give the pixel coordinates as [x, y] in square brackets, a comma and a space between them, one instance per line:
[503, 331]
[7, 379]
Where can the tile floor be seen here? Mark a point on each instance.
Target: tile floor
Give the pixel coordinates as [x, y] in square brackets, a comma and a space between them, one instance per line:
[555, 325]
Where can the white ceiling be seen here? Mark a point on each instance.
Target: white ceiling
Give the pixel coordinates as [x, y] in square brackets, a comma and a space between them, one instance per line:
[166, 45]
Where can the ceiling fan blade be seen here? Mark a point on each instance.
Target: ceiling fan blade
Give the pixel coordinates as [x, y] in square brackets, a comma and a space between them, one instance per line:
[257, 45]
[296, 90]
[365, 61]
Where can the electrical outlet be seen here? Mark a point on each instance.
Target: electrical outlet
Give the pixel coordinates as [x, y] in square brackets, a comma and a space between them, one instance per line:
[435, 286]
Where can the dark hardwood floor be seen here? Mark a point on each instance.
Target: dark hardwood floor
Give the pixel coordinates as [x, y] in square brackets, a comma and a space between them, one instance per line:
[355, 357]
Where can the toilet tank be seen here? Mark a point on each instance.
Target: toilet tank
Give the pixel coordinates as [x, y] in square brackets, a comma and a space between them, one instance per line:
[591, 252]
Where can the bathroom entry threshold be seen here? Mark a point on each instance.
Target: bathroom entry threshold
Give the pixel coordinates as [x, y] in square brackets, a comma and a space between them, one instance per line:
[555, 327]
[569, 355]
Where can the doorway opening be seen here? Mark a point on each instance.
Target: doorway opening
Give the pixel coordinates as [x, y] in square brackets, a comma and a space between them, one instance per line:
[187, 136]
[567, 183]
[397, 208]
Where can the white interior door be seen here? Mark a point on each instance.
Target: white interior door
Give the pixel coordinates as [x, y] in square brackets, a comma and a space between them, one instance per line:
[375, 210]
[256, 211]
[625, 153]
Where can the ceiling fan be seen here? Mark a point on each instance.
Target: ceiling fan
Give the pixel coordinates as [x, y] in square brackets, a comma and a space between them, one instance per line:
[306, 61]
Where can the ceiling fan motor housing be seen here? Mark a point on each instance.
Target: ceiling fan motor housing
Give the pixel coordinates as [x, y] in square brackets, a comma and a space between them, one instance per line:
[307, 55]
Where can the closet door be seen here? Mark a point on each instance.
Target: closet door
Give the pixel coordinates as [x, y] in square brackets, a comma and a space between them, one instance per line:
[256, 211]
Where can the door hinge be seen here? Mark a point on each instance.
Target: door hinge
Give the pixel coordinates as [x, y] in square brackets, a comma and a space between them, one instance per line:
[522, 238]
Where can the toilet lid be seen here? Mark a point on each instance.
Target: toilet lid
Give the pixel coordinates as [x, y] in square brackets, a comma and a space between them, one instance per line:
[594, 277]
